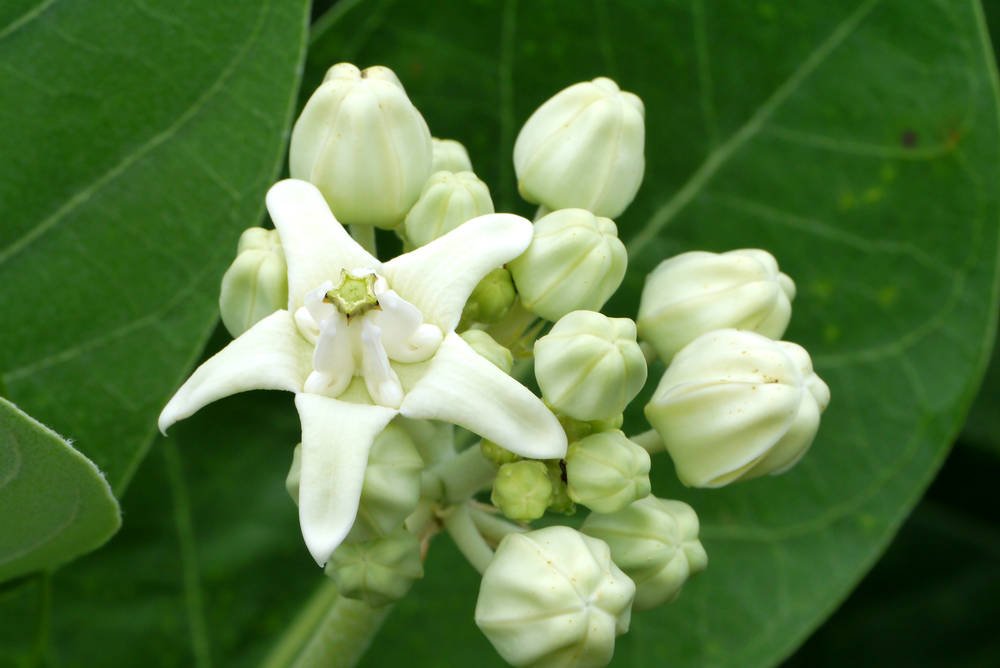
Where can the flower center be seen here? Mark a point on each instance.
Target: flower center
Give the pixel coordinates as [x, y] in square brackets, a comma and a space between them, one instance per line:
[359, 327]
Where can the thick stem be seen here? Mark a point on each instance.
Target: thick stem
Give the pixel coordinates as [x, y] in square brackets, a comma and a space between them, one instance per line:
[365, 235]
[649, 441]
[459, 525]
[331, 632]
[459, 478]
[493, 527]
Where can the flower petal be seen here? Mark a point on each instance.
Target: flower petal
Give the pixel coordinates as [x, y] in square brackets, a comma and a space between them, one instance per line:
[316, 246]
[336, 438]
[464, 388]
[439, 277]
[271, 355]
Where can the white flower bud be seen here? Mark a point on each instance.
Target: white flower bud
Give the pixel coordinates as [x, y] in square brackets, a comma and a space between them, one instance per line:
[583, 148]
[575, 261]
[697, 292]
[256, 284]
[447, 201]
[522, 490]
[736, 405]
[486, 346]
[607, 471]
[553, 597]
[379, 571]
[449, 156]
[655, 541]
[589, 366]
[363, 144]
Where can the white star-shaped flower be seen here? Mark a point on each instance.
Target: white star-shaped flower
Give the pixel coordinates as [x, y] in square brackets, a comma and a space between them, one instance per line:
[364, 341]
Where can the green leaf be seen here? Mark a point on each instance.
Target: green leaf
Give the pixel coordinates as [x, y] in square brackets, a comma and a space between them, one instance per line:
[138, 141]
[856, 141]
[54, 503]
[982, 428]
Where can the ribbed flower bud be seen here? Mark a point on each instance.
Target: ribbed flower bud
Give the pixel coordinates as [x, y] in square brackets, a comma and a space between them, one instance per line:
[575, 261]
[256, 284]
[378, 571]
[522, 490]
[589, 366]
[447, 200]
[655, 541]
[735, 405]
[553, 597]
[363, 144]
[449, 156]
[607, 471]
[491, 299]
[486, 345]
[583, 148]
[697, 292]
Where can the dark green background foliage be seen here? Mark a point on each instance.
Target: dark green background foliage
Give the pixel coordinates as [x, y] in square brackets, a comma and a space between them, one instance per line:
[857, 141]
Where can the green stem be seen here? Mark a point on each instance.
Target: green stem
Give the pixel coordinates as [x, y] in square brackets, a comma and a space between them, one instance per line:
[331, 632]
[459, 525]
[649, 441]
[365, 235]
[459, 478]
[493, 527]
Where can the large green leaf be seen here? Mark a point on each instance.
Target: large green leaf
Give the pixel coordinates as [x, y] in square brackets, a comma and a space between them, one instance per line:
[54, 503]
[138, 140]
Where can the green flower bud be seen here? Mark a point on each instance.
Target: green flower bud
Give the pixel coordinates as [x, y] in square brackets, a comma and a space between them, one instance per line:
[485, 345]
[378, 571]
[553, 597]
[363, 144]
[447, 201]
[655, 541]
[561, 502]
[590, 366]
[497, 454]
[697, 292]
[735, 405]
[583, 148]
[256, 284]
[575, 261]
[449, 156]
[491, 299]
[522, 490]
[606, 472]
[578, 429]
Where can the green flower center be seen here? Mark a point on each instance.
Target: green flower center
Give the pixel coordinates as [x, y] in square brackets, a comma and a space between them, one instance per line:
[354, 295]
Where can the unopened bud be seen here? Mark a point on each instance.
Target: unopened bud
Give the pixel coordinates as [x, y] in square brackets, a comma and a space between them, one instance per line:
[486, 346]
[655, 541]
[447, 200]
[378, 571]
[256, 284]
[522, 490]
[497, 454]
[491, 299]
[607, 472]
[590, 366]
[575, 261]
[449, 156]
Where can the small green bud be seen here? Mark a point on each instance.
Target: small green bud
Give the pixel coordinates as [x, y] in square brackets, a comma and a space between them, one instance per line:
[697, 292]
[561, 502]
[655, 541]
[392, 484]
[256, 284]
[363, 144]
[589, 366]
[553, 597]
[486, 345]
[497, 454]
[378, 571]
[491, 299]
[449, 156]
[583, 148]
[735, 405]
[575, 261]
[522, 490]
[577, 429]
[447, 201]
[607, 471]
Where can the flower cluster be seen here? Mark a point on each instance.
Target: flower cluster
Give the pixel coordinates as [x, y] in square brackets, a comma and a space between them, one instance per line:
[394, 362]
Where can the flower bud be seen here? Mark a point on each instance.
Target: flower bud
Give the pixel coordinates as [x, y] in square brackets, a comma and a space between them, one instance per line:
[697, 292]
[583, 148]
[491, 299]
[486, 346]
[736, 405]
[575, 261]
[655, 541]
[553, 597]
[256, 284]
[590, 366]
[497, 454]
[447, 201]
[378, 571]
[448, 155]
[522, 490]
[363, 144]
[606, 472]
